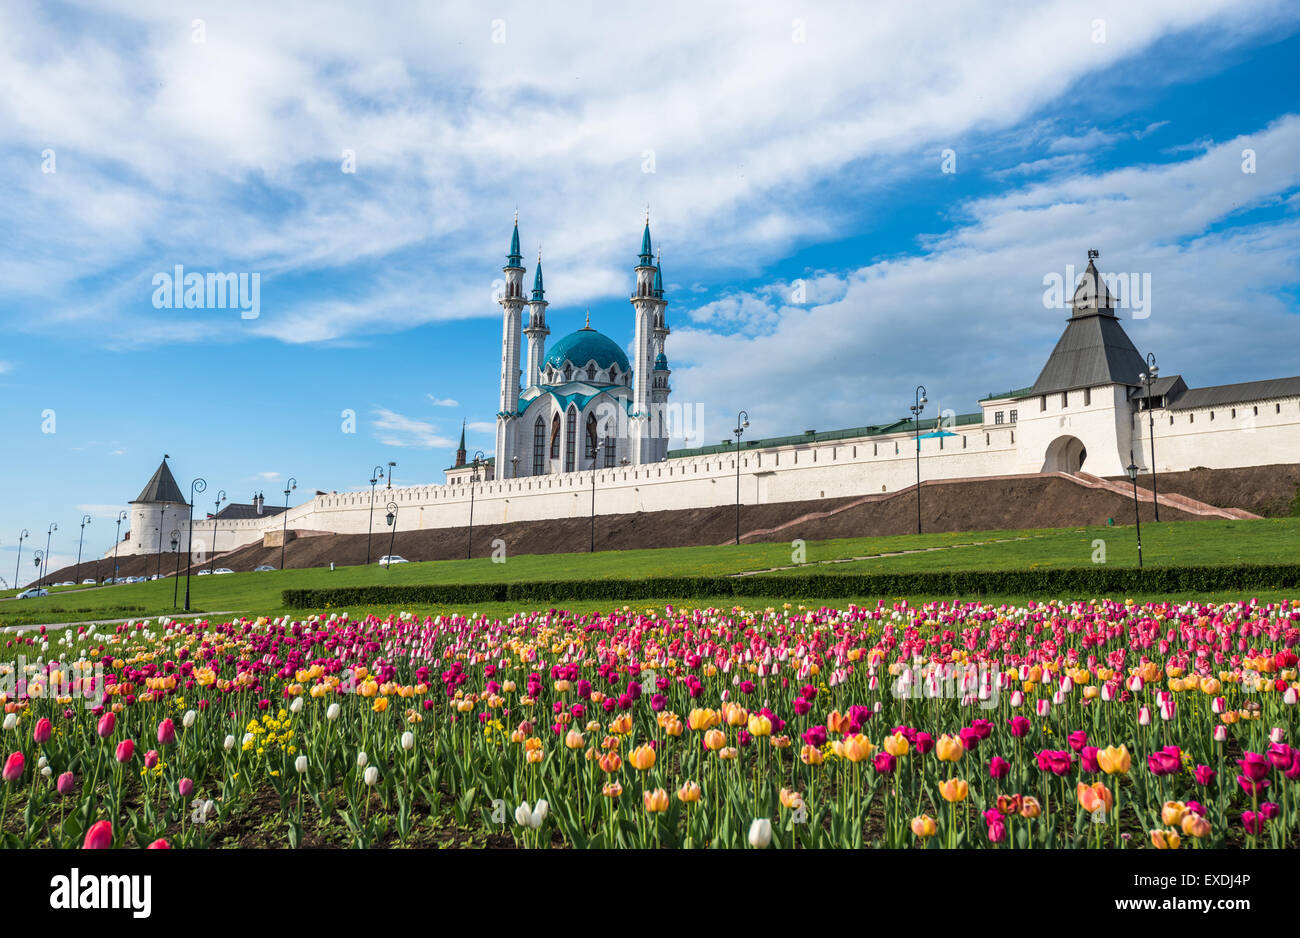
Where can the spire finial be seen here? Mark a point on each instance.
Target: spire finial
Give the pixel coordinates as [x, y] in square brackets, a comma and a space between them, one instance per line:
[647, 213]
[539, 252]
[516, 214]
[588, 325]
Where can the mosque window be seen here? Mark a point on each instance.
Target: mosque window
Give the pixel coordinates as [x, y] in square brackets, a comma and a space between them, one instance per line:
[568, 372]
[591, 372]
[570, 437]
[539, 445]
[591, 436]
[610, 452]
[613, 374]
[555, 437]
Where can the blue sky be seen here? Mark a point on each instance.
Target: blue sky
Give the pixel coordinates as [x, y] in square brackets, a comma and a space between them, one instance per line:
[789, 143]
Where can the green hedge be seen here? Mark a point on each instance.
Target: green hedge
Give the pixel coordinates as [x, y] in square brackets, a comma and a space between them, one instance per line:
[1078, 581]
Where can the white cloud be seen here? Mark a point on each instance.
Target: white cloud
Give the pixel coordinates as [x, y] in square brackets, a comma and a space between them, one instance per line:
[394, 429]
[442, 401]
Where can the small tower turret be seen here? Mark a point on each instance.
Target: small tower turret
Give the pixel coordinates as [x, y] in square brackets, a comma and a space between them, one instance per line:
[512, 304]
[645, 306]
[536, 331]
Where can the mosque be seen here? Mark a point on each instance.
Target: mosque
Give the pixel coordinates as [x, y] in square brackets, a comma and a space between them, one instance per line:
[583, 427]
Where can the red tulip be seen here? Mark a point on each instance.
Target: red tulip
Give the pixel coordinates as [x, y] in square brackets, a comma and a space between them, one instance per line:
[159, 844]
[1255, 766]
[44, 730]
[99, 837]
[106, 724]
[125, 750]
[166, 732]
[13, 770]
[999, 767]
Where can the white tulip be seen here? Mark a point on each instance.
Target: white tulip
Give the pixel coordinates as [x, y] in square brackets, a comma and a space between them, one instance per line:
[760, 833]
[248, 739]
[371, 776]
[362, 759]
[296, 706]
[532, 818]
[1290, 696]
[301, 765]
[229, 743]
[11, 720]
[46, 771]
[408, 740]
[332, 712]
[187, 721]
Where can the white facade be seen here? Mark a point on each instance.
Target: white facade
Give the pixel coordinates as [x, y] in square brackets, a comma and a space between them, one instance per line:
[1097, 427]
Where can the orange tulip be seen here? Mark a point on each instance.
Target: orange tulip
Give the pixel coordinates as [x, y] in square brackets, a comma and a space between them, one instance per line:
[1165, 840]
[611, 761]
[811, 755]
[924, 826]
[791, 800]
[574, 740]
[1171, 813]
[856, 748]
[715, 740]
[734, 714]
[655, 801]
[1030, 808]
[1094, 797]
[836, 722]
[611, 789]
[688, 793]
[1195, 826]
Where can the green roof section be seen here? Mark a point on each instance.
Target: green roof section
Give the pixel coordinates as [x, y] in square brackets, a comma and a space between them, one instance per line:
[587, 345]
[647, 255]
[1015, 392]
[538, 292]
[514, 258]
[825, 436]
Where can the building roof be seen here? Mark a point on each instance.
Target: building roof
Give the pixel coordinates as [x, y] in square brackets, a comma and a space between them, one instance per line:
[1244, 392]
[1164, 386]
[584, 346]
[1093, 350]
[898, 426]
[162, 488]
[241, 512]
[514, 258]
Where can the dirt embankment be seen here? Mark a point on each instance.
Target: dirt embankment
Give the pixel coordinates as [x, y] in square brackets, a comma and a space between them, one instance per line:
[973, 505]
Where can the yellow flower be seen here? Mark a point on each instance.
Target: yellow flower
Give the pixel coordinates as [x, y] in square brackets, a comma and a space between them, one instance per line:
[924, 826]
[1171, 814]
[954, 790]
[1114, 760]
[896, 745]
[856, 748]
[655, 801]
[1165, 840]
[760, 725]
[949, 748]
[688, 793]
[642, 757]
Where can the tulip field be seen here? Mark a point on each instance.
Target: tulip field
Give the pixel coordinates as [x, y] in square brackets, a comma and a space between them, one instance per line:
[943, 725]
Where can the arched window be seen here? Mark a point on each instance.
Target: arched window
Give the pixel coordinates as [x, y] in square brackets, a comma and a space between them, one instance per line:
[613, 374]
[591, 436]
[555, 437]
[568, 372]
[570, 437]
[539, 445]
[591, 372]
[609, 452]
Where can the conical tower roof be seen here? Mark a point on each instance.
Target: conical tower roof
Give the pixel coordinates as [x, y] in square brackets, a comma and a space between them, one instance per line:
[162, 488]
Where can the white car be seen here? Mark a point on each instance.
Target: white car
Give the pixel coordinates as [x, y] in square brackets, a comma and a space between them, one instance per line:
[204, 573]
[87, 582]
[32, 593]
[223, 570]
[66, 583]
[388, 559]
[263, 568]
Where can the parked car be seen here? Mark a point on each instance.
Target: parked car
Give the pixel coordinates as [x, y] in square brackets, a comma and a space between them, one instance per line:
[88, 582]
[387, 559]
[263, 568]
[223, 570]
[32, 593]
[203, 573]
[66, 583]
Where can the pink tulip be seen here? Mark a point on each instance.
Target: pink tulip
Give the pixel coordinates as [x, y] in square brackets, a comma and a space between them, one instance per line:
[44, 730]
[106, 724]
[159, 844]
[1255, 766]
[13, 769]
[1204, 774]
[999, 767]
[125, 750]
[166, 732]
[99, 837]
[151, 758]
[65, 783]
[185, 787]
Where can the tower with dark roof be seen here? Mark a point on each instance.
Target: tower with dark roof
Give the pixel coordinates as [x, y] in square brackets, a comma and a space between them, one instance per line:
[157, 510]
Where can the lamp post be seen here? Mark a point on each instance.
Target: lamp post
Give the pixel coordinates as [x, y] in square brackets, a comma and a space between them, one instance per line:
[21, 538]
[1150, 375]
[742, 422]
[392, 523]
[514, 467]
[85, 520]
[37, 559]
[121, 516]
[391, 466]
[53, 527]
[595, 461]
[375, 475]
[284, 532]
[1137, 518]
[198, 485]
[176, 573]
[917, 407]
[212, 558]
[473, 480]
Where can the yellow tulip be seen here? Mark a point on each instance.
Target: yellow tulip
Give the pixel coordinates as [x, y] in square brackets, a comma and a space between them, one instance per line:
[856, 748]
[1171, 814]
[574, 740]
[791, 800]
[896, 745]
[702, 719]
[715, 740]
[1114, 760]
[688, 793]
[954, 789]
[760, 725]
[1195, 826]
[735, 714]
[1094, 796]
[811, 755]
[949, 748]
[1165, 840]
[655, 801]
[642, 757]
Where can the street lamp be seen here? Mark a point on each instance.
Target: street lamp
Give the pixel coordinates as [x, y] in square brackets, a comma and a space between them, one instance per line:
[473, 480]
[1150, 375]
[21, 537]
[121, 516]
[53, 527]
[198, 485]
[391, 467]
[37, 558]
[176, 573]
[375, 475]
[514, 467]
[212, 558]
[742, 422]
[595, 461]
[85, 520]
[284, 532]
[919, 406]
[391, 517]
[1137, 518]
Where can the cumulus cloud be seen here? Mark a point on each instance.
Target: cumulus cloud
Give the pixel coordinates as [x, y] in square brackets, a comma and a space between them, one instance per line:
[394, 429]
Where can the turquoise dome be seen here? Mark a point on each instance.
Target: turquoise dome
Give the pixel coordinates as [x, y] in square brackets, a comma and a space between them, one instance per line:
[587, 345]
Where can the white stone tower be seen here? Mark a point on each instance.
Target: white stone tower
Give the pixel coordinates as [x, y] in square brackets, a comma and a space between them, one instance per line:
[158, 510]
[643, 352]
[536, 331]
[659, 388]
[512, 305]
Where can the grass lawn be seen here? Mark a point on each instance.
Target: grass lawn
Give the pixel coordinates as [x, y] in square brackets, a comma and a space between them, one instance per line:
[1192, 542]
